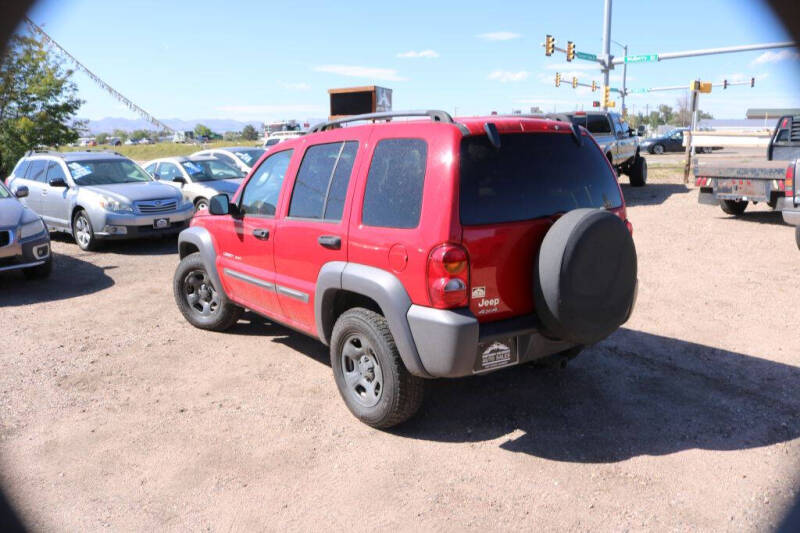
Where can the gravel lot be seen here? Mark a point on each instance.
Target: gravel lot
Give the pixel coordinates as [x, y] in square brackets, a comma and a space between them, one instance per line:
[115, 413]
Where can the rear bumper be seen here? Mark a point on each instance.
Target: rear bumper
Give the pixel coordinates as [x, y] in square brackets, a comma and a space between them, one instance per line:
[791, 214]
[452, 343]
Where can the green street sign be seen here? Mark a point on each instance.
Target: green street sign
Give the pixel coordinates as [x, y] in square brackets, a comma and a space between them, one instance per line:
[641, 58]
[587, 57]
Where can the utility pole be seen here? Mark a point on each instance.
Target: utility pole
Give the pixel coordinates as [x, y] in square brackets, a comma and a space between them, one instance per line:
[624, 74]
[606, 57]
[688, 166]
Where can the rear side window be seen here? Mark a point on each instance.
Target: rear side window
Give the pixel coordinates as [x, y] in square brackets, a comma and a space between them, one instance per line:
[321, 185]
[532, 175]
[593, 123]
[36, 172]
[393, 197]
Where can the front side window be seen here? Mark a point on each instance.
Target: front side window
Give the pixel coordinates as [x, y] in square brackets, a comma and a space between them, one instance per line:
[55, 171]
[393, 196]
[263, 189]
[321, 185]
[21, 168]
[106, 172]
[168, 171]
[215, 169]
[151, 169]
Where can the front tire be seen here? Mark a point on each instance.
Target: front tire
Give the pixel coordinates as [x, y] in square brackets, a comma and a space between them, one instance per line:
[371, 377]
[637, 173]
[797, 236]
[200, 204]
[202, 304]
[83, 232]
[733, 207]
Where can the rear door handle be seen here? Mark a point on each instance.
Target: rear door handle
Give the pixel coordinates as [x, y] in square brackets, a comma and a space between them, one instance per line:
[332, 242]
[261, 233]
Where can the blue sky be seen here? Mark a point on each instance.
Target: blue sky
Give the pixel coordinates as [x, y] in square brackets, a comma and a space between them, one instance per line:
[276, 60]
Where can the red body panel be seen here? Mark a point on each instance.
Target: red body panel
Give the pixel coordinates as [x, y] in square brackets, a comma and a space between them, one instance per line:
[501, 256]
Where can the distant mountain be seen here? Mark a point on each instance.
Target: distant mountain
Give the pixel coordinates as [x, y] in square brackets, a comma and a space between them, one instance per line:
[218, 125]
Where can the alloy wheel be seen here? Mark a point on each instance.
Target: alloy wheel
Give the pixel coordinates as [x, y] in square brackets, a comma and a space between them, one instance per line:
[200, 294]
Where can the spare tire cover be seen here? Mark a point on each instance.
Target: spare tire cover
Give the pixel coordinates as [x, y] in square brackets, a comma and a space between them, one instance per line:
[585, 276]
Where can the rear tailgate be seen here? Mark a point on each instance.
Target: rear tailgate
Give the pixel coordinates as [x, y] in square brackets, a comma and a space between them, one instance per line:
[509, 198]
[735, 180]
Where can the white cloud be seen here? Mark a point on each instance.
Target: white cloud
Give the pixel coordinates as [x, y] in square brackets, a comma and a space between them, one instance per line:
[773, 57]
[413, 54]
[505, 76]
[499, 36]
[384, 74]
[298, 86]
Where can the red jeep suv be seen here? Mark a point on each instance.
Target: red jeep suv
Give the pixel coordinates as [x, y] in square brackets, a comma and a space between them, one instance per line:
[416, 249]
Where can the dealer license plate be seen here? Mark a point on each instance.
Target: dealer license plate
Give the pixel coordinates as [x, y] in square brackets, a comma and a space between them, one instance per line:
[161, 223]
[496, 354]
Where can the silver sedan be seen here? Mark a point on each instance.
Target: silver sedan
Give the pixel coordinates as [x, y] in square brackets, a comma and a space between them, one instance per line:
[198, 177]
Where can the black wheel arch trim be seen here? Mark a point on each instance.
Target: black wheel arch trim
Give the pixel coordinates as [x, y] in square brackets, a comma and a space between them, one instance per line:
[381, 286]
[198, 238]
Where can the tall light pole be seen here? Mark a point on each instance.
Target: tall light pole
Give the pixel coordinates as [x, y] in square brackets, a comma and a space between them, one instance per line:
[606, 59]
[624, 73]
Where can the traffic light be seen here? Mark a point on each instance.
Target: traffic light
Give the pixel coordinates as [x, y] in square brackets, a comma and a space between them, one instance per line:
[558, 79]
[574, 82]
[594, 86]
[570, 50]
[705, 86]
[694, 86]
[724, 84]
[606, 95]
[596, 103]
[752, 82]
[549, 45]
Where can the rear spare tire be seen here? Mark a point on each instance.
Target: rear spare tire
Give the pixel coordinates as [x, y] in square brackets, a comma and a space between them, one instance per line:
[585, 276]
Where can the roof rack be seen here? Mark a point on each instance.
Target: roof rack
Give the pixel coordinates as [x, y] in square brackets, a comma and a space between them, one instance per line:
[36, 151]
[434, 114]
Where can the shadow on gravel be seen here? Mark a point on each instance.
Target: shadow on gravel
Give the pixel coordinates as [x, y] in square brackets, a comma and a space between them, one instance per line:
[158, 246]
[254, 324]
[633, 394]
[651, 194]
[760, 217]
[71, 277]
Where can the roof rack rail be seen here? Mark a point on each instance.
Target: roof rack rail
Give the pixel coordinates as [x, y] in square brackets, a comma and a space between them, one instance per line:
[434, 114]
[42, 151]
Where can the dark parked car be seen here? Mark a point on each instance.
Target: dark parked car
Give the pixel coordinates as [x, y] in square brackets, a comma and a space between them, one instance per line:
[672, 141]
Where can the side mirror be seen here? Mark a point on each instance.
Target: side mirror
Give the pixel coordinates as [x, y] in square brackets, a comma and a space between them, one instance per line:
[219, 205]
[640, 130]
[57, 182]
[632, 133]
[21, 191]
[179, 179]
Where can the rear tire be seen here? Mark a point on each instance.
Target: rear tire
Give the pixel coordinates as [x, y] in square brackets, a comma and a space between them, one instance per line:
[797, 236]
[202, 304]
[637, 173]
[733, 207]
[371, 377]
[658, 149]
[200, 204]
[40, 272]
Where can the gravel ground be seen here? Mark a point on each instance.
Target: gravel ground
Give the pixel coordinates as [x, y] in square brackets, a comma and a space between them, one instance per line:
[115, 413]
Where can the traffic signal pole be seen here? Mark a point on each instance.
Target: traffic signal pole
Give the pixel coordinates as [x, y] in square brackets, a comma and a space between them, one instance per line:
[606, 57]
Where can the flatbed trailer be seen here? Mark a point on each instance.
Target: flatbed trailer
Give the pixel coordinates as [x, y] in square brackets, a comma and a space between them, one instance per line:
[733, 184]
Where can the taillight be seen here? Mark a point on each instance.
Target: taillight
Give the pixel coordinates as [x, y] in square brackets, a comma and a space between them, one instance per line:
[788, 184]
[448, 276]
[629, 226]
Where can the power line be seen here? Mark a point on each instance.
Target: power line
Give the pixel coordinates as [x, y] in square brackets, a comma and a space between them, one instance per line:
[113, 92]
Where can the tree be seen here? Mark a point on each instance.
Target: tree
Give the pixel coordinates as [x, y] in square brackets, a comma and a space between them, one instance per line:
[249, 133]
[202, 131]
[38, 101]
[122, 135]
[139, 134]
[101, 138]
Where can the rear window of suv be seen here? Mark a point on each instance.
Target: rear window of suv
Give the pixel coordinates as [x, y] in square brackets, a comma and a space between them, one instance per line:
[532, 175]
